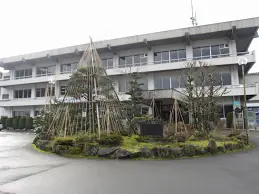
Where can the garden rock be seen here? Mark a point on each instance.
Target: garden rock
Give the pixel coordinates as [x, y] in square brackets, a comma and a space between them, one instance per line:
[229, 146]
[61, 149]
[43, 145]
[136, 155]
[145, 152]
[221, 149]
[189, 150]
[91, 149]
[122, 154]
[240, 145]
[241, 137]
[212, 146]
[177, 152]
[107, 152]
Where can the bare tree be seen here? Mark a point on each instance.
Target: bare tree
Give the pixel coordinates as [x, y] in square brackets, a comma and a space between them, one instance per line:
[203, 87]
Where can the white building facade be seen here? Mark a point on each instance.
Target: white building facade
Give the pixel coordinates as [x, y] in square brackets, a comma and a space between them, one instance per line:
[158, 57]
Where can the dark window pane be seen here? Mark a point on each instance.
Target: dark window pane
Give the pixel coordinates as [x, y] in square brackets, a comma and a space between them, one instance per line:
[17, 74]
[29, 93]
[122, 61]
[136, 59]
[215, 51]
[20, 93]
[165, 57]
[166, 82]
[226, 78]
[158, 83]
[182, 55]
[51, 70]
[224, 51]
[143, 60]
[173, 56]
[197, 53]
[38, 92]
[16, 94]
[104, 63]
[174, 82]
[21, 73]
[110, 63]
[128, 60]
[63, 90]
[157, 57]
[205, 52]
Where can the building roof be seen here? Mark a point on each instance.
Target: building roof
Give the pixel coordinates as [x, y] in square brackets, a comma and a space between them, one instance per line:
[243, 29]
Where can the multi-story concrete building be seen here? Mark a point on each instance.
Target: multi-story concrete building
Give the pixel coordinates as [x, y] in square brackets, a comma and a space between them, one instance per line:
[159, 58]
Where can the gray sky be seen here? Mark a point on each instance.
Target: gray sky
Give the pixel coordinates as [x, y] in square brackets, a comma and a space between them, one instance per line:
[36, 25]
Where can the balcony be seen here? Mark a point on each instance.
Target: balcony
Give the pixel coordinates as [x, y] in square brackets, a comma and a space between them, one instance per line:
[181, 64]
[238, 90]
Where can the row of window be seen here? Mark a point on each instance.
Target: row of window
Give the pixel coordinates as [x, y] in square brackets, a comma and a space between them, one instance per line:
[169, 82]
[213, 51]
[42, 92]
[45, 71]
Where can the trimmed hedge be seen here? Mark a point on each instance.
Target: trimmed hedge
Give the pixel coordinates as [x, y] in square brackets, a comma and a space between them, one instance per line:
[9, 122]
[15, 123]
[29, 123]
[229, 119]
[22, 122]
[3, 121]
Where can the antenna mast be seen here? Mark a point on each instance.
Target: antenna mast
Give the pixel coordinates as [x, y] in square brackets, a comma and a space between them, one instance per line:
[193, 18]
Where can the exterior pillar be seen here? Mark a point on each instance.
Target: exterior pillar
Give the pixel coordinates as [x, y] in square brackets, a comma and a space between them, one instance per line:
[150, 81]
[32, 112]
[57, 89]
[34, 71]
[150, 58]
[57, 68]
[33, 91]
[189, 52]
[234, 75]
[232, 48]
[115, 60]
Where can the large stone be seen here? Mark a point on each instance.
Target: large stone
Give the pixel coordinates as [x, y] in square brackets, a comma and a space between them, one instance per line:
[62, 149]
[177, 152]
[212, 146]
[91, 149]
[122, 154]
[221, 149]
[107, 152]
[43, 145]
[145, 152]
[229, 146]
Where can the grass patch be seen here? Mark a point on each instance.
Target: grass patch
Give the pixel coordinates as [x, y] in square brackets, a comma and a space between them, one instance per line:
[39, 150]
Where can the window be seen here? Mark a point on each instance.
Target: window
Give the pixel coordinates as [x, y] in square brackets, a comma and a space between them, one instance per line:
[226, 78]
[144, 110]
[133, 60]
[107, 63]
[51, 91]
[174, 82]
[63, 90]
[25, 73]
[158, 83]
[144, 81]
[213, 51]
[5, 96]
[40, 92]
[21, 113]
[44, 71]
[23, 93]
[67, 68]
[170, 56]
[166, 82]
[7, 77]
[124, 86]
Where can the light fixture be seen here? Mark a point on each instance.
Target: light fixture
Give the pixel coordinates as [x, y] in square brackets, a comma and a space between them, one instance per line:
[242, 61]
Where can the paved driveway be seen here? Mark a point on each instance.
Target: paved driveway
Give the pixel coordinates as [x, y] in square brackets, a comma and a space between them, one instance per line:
[25, 171]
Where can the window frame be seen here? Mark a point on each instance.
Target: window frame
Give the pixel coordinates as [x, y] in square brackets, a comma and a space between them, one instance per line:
[21, 74]
[170, 59]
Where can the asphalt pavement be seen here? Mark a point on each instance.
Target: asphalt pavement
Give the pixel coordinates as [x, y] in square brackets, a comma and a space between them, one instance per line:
[26, 171]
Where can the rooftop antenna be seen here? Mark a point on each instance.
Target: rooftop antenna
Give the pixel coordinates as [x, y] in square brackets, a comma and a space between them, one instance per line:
[194, 17]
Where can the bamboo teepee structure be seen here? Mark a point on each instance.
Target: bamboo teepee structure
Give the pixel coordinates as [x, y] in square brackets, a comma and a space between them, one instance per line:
[90, 104]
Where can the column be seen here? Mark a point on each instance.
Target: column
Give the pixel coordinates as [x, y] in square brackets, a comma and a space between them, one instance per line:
[57, 68]
[33, 91]
[150, 81]
[115, 60]
[234, 75]
[34, 71]
[150, 55]
[32, 112]
[57, 89]
[232, 48]
[189, 52]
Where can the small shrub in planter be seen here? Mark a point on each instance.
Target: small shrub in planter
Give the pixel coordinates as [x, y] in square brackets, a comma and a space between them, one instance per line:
[9, 122]
[22, 122]
[15, 123]
[110, 140]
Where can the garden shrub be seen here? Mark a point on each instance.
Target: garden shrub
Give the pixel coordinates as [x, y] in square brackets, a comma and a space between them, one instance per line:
[3, 121]
[74, 150]
[110, 140]
[64, 141]
[15, 123]
[192, 138]
[234, 133]
[229, 119]
[22, 121]
[9, 122]
[29, 123]
[181, 137]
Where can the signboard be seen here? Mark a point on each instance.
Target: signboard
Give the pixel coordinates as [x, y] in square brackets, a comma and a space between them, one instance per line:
[150, 129]
[236, 103]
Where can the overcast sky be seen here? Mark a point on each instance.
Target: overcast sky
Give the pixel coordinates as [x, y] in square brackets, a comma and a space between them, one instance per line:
[35, 25]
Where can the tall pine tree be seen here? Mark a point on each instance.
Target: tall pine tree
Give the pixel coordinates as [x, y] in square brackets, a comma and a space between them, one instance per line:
[136, 98]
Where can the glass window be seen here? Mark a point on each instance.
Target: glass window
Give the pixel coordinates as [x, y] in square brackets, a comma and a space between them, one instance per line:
[197, 53]
[174, 82]
[40, 92]
[226, 78]
[136, 59]
[20, 93]
[51, 70]
[158, 83]
[144, 110]
[157, 57]
[66, 68]
[16, 94]
[166, 82]
[183, 81]
[51, 91]
[104, 63]
[165, 57]
[144, 81]
[110, 63]
[173, 56]
[63, 90]
[182, 55]
[205, 52]
[215, 51]
[128, 60]
[122, 62]
[143, 59]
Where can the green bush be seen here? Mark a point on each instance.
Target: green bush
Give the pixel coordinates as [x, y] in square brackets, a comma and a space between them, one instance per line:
[29, 123]
[22, 122]
[3, 121]
[110, 140]
[15, 123]
[9, 122]
[229, 119]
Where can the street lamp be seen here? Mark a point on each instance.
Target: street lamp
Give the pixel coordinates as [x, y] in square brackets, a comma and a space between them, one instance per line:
[243, 61]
